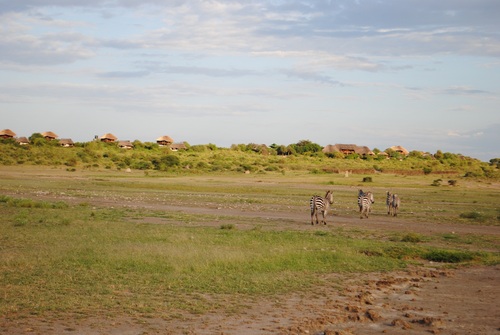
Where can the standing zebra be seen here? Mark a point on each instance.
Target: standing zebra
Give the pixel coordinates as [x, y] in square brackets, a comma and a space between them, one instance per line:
[319, 204]
[365, 200]
[388, 202]
[394, 204]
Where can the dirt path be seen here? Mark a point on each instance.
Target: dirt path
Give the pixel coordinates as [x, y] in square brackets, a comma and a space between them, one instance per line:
[288, 219]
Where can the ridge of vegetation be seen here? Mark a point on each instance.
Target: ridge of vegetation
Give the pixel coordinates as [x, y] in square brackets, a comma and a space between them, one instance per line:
[302, 156]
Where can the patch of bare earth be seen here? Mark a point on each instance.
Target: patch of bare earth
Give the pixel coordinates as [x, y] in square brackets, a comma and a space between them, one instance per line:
[416, 301]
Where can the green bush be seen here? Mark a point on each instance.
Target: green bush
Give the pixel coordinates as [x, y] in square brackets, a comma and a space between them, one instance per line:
[448, 256]
[412, 237]
[436, 182]
[473, 215]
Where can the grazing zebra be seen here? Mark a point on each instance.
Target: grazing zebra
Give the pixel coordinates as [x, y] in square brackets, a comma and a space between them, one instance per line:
[319, 204]
[394, 204]
[365, 200]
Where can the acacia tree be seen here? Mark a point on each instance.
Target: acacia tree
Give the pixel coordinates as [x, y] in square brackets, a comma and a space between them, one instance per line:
[305, 146]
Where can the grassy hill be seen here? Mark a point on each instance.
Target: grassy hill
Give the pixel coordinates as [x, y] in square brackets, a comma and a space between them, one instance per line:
[252, 158]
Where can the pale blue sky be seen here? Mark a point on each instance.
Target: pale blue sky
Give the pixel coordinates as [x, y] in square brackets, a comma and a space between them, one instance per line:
[421, 74]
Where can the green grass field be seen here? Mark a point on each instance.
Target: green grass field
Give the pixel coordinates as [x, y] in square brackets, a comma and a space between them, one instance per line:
[88, 242]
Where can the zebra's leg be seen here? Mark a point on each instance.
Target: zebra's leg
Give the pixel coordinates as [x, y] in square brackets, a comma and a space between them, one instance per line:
[324, 217]
[312, 217]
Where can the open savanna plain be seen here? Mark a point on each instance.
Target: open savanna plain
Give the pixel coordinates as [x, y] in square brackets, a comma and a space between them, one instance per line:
[117, 252]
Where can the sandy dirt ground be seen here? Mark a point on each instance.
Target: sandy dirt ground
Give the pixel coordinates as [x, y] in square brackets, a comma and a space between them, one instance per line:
[428, 299]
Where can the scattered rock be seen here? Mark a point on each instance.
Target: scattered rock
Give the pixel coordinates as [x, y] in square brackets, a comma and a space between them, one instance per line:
[373, 315]
[401, 323]
[366, 298]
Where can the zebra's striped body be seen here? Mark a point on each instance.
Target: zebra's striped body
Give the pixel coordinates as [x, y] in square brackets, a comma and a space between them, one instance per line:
[388, 201]
[365, 200]
[394, 204]
[320, 204]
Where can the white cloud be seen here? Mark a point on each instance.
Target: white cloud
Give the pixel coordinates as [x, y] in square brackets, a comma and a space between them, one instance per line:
[370, 72]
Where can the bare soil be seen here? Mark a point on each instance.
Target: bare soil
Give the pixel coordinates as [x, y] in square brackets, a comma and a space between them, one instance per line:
[420, 300]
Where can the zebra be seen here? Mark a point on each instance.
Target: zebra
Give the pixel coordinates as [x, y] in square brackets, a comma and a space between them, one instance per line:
[394, 204]
[365, 199]
[388, 202]
[319, 204]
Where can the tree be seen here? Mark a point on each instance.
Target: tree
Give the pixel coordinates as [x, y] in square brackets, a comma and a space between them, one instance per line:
[304, 146]
[495, 162]
[415, 154]
[37, 139]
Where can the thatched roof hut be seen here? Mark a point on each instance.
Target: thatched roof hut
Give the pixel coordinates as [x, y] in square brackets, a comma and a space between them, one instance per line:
[164, 140]
[125, 145]
[178, 146]
[49, 135]
[66, 142]
[400, 149]
[22, 140]
[108, 138]
[348, 149]
[7, 133]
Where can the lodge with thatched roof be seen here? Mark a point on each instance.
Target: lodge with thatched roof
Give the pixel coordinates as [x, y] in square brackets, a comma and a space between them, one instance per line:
[108, 138]
[178, 146]
[400, 149]
[22, 140]
[49, 135]
[164, 140]
[7, 133]
[348, 149]
[125, 145]
[66, 142]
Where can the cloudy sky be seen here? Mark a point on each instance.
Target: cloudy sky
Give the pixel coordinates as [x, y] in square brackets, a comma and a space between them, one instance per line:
[423, 74]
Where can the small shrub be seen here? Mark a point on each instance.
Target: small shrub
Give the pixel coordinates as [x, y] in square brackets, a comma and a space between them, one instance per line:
[412, 237]
[448, 256]
[367, 180]
[472, 174]
[474, 215]
[436, 182]
[228, 226]
[452, 182]
[320, 233]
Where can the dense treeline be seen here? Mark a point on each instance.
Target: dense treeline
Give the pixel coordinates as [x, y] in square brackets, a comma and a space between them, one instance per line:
[254, 158]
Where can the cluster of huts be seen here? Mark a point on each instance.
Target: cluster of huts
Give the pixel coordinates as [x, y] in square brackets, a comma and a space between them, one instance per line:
[108, 138]
[349, 149]
[346, 149]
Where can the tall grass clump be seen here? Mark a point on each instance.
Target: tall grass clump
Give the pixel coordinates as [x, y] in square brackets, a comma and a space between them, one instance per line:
[450, 256]
[29, 203]
[474, 216]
